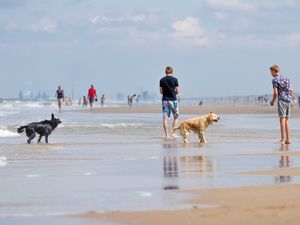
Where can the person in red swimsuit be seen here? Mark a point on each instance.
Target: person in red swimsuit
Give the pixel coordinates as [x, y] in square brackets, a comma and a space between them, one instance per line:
[92, 95]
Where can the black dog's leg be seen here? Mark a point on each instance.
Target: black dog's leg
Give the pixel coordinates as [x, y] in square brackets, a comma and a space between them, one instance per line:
[46, 138]
[31, 138]
[40, 138]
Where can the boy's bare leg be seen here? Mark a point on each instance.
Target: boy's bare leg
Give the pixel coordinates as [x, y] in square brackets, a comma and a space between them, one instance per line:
[287, 131]
[165, 125]
[175, 121]
[282, 129]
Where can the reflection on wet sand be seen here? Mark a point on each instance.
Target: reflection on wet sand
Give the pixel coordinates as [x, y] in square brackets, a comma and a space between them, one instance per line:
[175, 165]
[284, 162]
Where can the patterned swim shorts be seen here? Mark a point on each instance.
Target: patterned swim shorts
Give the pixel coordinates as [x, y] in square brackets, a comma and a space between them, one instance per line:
[284, 108]
[168, 107]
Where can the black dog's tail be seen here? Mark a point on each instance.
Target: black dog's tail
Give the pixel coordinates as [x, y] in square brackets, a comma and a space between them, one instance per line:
[21, 129]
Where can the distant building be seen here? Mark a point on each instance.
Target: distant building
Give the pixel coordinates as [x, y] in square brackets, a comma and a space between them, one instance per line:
[120, 97]
[21, 95]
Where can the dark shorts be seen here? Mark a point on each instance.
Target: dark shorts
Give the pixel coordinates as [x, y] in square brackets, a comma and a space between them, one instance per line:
[91, 100]
[168, 107]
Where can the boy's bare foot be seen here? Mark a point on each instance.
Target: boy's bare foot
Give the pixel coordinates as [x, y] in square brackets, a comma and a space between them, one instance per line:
[282, 142]
[287, 142]
[174, 135]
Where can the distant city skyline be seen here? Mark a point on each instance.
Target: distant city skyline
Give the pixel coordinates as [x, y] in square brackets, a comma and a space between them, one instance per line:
[216, 47]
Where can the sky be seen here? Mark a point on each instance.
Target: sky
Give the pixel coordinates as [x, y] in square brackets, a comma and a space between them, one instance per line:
[216, 47]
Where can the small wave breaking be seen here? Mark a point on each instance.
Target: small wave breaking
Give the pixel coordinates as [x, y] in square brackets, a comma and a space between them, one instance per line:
[4, 132]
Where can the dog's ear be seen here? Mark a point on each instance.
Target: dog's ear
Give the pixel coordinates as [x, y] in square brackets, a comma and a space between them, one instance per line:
[52, 116]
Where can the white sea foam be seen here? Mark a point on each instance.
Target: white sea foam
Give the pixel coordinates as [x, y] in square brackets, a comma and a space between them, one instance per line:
[6, 133]
[33, 175]
[6, 113]
[103, 125]
[144, 194]
[26, 104]
[3, 161]
[89, 174]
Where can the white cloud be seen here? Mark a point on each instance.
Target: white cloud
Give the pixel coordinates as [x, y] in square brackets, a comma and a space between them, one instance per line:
[231, 5]
[293, 39]
[135, 18]
[11, 25]
[221, 16]
[190, 32]
[43, 25]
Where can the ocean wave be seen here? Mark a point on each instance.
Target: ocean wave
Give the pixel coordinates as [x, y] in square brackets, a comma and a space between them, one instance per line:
[6, 133]
[102, 125]
[6, 113]
[26, 104]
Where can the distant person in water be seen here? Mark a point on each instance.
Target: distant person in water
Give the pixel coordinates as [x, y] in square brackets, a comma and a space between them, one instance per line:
[84, 102]
[102, 100]
[92, 95]
[60, 97]
[169, 88]
[283, 91]
[299, 101]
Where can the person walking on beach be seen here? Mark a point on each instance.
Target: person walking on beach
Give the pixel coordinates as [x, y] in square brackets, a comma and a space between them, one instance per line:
[102, 100]
[283, 91]
[92, 95]
[60, 96]
[169, 89]
[130, 99]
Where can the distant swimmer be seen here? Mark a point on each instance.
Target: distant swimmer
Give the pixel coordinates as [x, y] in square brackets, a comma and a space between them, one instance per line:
[60, 97]
[169, 89]
[92, 95]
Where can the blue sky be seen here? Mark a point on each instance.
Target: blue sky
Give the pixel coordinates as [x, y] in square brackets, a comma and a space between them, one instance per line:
[217, 47]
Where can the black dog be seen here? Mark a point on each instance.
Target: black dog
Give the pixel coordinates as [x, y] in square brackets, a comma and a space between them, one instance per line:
[43, 128]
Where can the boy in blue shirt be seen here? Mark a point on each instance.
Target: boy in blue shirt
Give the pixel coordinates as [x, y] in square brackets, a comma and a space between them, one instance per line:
[283, 90]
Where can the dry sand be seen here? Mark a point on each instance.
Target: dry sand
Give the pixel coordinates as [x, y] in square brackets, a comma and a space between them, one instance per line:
[255, 205]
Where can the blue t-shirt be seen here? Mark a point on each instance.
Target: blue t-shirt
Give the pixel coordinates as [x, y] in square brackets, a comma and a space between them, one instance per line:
[283, 84]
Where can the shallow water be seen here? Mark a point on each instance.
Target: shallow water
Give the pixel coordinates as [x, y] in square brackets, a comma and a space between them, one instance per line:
[110, 162]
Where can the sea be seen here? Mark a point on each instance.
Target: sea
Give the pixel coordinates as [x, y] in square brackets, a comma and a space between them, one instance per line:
[105, 162]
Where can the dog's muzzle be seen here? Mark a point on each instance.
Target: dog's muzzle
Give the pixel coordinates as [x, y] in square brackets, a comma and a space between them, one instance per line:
[216, 120]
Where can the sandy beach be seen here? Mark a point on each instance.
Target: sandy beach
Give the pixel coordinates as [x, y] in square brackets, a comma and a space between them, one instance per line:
[259, 205]
[194, 109]
[112, 165]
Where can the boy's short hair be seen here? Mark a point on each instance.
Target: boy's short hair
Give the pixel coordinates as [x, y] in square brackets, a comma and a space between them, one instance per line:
[275, 68]
[169, 70]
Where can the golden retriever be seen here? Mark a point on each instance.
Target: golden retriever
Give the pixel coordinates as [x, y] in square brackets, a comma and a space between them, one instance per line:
[197, 125]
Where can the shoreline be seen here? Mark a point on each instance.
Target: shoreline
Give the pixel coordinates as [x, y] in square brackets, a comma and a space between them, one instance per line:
[259, 205]
[190, 109]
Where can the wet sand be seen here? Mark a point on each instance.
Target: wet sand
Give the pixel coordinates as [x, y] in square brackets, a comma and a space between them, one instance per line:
[278, 172]
[259, 205]
[194, 109]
